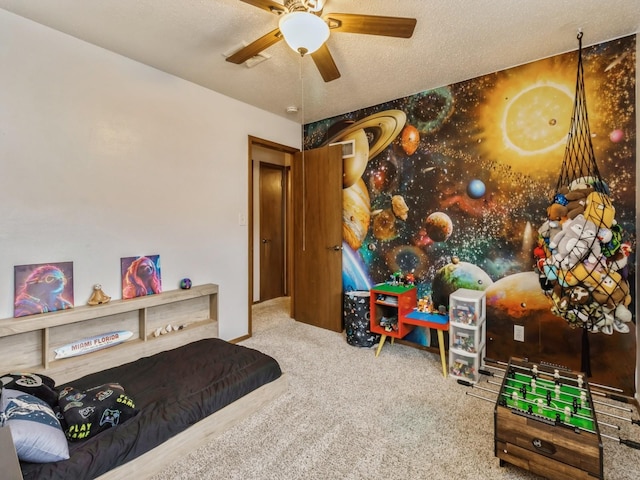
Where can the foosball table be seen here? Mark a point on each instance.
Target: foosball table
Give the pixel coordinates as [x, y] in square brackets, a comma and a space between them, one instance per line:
[545, 422]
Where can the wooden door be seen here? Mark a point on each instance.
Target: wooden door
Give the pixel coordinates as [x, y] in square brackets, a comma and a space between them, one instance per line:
[317, 237]
[272, 231]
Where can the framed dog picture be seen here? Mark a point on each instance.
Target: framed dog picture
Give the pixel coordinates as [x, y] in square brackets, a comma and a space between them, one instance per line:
[140, 276]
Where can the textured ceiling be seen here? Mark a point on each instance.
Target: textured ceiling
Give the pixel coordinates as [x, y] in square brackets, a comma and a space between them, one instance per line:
[454, 40]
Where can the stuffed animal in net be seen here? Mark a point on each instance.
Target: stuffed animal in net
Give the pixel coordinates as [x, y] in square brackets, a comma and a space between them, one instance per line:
[576, 240]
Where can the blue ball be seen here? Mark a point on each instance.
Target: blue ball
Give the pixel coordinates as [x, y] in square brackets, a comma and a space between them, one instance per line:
[476, 189]
[185, 283]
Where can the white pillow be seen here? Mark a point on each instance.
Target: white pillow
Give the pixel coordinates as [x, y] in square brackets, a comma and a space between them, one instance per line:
[37, 434]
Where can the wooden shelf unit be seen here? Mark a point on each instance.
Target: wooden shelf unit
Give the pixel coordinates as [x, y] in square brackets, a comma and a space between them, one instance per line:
[405, 302]
[195, 309]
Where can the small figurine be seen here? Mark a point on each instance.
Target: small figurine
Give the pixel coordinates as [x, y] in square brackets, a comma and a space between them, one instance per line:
[185, 283]
[98, 297]
[389, 323]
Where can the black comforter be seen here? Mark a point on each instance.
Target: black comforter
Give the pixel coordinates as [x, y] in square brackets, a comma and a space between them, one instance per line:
[173, 390]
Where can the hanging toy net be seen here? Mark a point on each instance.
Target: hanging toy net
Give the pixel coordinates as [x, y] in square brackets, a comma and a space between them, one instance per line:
[580, 257]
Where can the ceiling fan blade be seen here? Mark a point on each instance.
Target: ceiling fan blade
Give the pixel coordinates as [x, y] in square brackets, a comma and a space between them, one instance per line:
[267, 5]
[254, 48]
[324, 61]
[371, 24]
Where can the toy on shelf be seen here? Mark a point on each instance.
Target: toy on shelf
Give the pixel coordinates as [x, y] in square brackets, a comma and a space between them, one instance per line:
[461, 368]
[397, 279]
[185, 283]
[465, 314]
[389, 324]
[168, 329]
[98, 297]
[425, 305]
[464, 341]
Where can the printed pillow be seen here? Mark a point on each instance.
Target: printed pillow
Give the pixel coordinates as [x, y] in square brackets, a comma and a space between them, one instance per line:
[34, 384]
[37, 434]
[87, 413]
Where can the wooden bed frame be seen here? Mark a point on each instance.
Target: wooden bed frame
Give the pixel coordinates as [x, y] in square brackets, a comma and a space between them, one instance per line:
[27, 344]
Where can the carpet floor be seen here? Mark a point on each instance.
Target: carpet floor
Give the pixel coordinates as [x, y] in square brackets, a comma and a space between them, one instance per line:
[349, 415]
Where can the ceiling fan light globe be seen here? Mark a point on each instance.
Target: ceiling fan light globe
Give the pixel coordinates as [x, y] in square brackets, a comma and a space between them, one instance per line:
[304, 32]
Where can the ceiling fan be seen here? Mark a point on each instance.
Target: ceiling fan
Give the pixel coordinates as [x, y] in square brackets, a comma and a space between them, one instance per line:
[304, 17]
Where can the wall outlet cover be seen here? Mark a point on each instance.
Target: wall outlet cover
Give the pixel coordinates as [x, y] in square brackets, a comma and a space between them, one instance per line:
[518, 333]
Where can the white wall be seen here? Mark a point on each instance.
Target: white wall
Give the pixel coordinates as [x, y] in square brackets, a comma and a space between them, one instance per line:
[102, 157]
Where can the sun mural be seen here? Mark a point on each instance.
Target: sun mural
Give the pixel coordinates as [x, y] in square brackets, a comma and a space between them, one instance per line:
[468, 170]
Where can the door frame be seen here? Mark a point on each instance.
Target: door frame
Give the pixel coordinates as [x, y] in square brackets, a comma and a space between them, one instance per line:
[269, 145]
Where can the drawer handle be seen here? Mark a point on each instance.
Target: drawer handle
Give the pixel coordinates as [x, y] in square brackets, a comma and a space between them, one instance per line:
[543, 446]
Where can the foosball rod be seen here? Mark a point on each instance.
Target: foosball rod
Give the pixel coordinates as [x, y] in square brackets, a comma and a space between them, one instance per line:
[610, 425]
[611, 396]
[598, 402]
[622, 441]
[469, 384]
[480, 397]
[522, 367]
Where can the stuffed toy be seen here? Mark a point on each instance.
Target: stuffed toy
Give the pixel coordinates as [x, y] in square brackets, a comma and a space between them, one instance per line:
[578, 295]
[575, 241]
[581, 274]
[619, 261]
[548, 230]
[602, 320]
[611, 244]
[559, 197]
[621, 316]
[611, 290]
[577, 200]
[557, 213]
[556, 217]
[599, 209]
[605, 235]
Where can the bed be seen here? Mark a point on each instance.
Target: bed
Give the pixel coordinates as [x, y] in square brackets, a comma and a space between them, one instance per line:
[187, 384]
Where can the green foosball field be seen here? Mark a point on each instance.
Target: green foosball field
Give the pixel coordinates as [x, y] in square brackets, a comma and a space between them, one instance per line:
[549, 398]
[545, 422]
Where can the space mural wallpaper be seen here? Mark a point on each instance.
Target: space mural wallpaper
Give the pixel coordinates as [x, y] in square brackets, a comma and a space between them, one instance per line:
[452, 185]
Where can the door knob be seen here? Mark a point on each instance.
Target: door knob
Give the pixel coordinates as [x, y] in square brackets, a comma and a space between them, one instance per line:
[264, 240]
[336, 248]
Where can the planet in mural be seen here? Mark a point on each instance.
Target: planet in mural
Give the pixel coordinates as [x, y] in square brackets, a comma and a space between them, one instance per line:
[476, 189]
[439, 226]
[453, 276]
[518, 295]
[410, 139]
[354, 272]
[381, 129]
[356, 213]
[384, 225]
[353, 167]
[616, 135]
